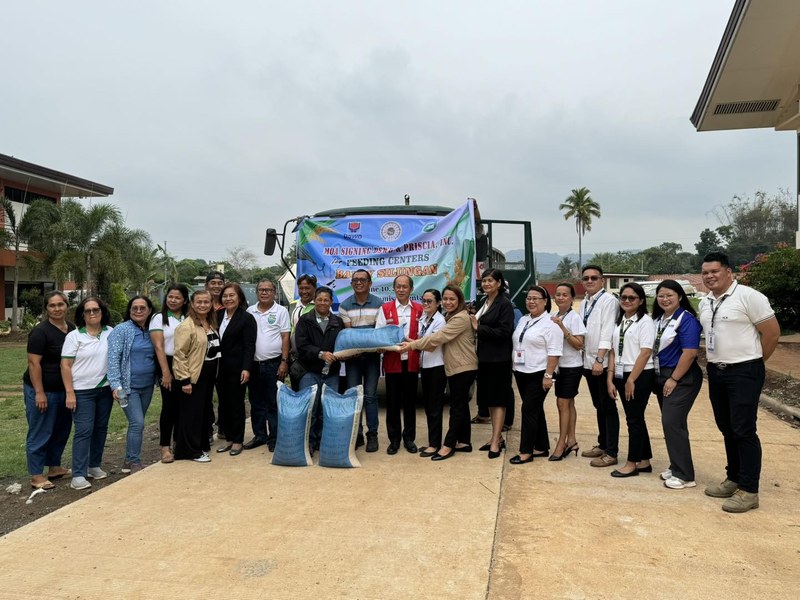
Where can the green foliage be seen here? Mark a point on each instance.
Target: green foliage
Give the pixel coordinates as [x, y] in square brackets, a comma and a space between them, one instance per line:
[31, 300]
[117, 301]
[580, 206]
[777, 276]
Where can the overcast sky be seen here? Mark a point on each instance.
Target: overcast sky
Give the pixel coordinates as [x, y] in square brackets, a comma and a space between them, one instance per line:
[214, 121]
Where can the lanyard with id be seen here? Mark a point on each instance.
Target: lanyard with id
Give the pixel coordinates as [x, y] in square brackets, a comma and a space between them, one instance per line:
[587, 312]
[619, 366]
[660, 329]
[519, 353]
[710, 341]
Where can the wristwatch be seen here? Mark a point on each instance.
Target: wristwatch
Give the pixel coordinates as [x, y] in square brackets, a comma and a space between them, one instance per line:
[548, 376]
[597, 359]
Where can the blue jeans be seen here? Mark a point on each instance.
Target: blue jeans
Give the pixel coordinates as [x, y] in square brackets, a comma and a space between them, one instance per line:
[263, 393]
[366, 368]
[138, 403]
[48, 432]
[306, 381]
[91, 428]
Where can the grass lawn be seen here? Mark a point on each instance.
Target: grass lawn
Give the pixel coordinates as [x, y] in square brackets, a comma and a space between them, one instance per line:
[14, 426]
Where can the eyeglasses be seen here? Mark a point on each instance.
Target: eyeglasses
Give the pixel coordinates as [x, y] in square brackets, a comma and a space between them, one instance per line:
[91, 311]
[591, 278]
[533, 299]
[359, 280]
[628, 298]
[309, 277]
[266, 291]
[136, 309]
[427, 301]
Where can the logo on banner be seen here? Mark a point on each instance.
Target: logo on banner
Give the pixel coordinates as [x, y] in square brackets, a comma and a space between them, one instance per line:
[429, 227]
[353, 229]
[391, 231]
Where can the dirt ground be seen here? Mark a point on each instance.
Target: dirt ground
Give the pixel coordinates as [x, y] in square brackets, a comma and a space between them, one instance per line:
[14, 512]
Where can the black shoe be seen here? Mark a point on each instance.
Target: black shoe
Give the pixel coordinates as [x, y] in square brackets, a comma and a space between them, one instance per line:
[427, 454]
[372, 442]
[236, 451]
[616, 473]
[516, 460]
[254, 443]
[647, 469]
[438, 456]
[393, 448]
[467, 448]
[486, 447]
[359, 440]
[541, 454]
[411, 447]
[270, 446]
[492, 454]
[225, 448]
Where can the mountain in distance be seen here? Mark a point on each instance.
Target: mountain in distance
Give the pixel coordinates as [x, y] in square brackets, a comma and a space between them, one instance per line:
[546, 262]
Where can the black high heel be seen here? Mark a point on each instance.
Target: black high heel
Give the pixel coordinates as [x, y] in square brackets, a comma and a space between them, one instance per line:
[574, 448]
[493, 454]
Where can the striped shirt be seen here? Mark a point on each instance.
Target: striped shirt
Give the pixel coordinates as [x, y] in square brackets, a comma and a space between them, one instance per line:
[359, 315]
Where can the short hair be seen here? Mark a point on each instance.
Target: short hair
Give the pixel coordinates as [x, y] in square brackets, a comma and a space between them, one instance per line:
[184, 291]
[239, 293]
[367, 273]
[435, 293]
[683, 299]
[497, 275]
[569, 286]
[323, 289]
[52, 294]
[105, 314]
[462, 304]
[719, 257]
[597, 268]
[215, 275]
[307, 278]
[548, 302]
[266, 280]
[410, 281]
[642, 310]
[149, 305]
[212, 314]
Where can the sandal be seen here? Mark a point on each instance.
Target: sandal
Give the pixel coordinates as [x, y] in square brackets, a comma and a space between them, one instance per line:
[479, 420]
[59, 474]
[43, 485]
[167, 456]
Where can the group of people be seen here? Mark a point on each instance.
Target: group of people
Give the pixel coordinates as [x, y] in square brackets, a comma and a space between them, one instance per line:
[211, 339]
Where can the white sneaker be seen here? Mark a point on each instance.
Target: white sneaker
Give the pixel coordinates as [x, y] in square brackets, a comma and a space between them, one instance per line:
[97, 473]
[666, 474]
[79, 483]
[674, 483]
[203, 458]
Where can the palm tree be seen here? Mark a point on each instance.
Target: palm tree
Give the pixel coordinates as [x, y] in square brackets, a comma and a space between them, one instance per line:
[580, 206]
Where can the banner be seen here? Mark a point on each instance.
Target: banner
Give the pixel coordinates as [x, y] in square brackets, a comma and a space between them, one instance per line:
[434, 251]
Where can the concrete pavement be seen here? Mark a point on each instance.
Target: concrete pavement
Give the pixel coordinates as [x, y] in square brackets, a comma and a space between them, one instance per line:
[403, 526]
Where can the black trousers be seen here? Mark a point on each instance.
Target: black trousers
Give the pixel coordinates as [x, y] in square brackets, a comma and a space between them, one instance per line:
[675, 415]
[167, 421]
[734, 393]
[459, 426]
[192, 435]
[606, 409]
[638, 437]
[434, 381]
[231, 403]
[533, 434]
[401, 396]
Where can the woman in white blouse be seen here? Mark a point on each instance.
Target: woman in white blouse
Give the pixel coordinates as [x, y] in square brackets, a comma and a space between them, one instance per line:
[432, 372]
[570, 369]
[631, 375]
[538, 344]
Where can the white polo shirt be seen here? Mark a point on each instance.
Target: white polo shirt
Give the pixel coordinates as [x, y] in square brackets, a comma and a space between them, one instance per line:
[157, 324]
[89, 354]
[403, 316]
[435, 357]
[639, 333]
[535, 340]
[601, 310]
[270, 325]
[574, 324]
[738, 311]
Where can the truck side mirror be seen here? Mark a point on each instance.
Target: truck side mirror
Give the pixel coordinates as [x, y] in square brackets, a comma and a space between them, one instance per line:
[269, 243]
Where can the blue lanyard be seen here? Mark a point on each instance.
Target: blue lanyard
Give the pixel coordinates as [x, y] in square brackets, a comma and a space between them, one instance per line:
[587, 312]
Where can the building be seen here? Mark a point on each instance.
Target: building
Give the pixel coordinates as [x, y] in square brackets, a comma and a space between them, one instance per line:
[23, 183]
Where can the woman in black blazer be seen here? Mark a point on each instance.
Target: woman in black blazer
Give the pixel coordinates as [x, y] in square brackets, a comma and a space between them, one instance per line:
[237, 332]
[494, 325]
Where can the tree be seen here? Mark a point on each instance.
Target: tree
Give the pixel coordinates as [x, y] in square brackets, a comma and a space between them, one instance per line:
[10, 236]
[242, 260]
[580, 206]
[565, 268]
[777, 276]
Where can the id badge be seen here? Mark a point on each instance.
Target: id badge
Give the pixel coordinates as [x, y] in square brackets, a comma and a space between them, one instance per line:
[619, 370]
[519, 357]
[710, 341]
[656, 366]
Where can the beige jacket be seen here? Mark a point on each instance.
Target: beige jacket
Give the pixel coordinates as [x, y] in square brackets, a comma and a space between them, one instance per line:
[457, 339]
[191, 343]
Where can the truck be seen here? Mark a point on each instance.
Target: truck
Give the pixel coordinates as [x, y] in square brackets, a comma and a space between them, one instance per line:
[434, 245]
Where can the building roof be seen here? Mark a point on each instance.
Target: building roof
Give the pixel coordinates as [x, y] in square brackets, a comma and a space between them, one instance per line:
[25, 173]
[754, 79]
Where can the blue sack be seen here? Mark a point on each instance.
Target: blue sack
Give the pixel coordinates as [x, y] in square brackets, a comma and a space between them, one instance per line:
[341, 414]
[294, 422]
[352, 341]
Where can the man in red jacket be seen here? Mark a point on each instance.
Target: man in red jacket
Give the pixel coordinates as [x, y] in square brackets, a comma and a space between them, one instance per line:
[401, 369]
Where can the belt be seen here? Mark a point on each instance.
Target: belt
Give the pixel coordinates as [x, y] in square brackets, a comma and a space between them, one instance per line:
[722, 366]
[269, 360]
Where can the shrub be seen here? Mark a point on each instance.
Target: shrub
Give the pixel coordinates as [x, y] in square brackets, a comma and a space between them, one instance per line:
[777, 276]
